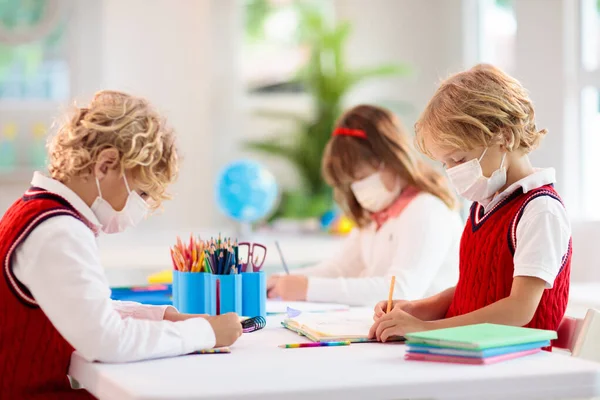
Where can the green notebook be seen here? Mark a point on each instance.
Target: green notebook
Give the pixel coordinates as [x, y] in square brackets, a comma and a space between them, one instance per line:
[481, 336]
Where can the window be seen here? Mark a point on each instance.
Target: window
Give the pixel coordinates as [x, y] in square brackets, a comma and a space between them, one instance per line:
[272, 49]
[589, 82]
[33, 62]
[497, 33]
[34, 76]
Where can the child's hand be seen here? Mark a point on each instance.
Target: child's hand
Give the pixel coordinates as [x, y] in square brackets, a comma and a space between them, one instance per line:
[396, 323]
[288, 287]
[227, 328]
[381, 307]
[271, 282]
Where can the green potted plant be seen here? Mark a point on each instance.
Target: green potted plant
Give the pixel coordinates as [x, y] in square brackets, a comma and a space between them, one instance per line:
[327, 78]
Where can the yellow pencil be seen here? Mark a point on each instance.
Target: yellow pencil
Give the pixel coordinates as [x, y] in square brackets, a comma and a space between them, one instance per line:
[200, 263]
[194, 259]
[392, 284]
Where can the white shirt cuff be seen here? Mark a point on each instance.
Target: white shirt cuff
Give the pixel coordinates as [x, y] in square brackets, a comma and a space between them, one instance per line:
[536, 271]
[197, 334]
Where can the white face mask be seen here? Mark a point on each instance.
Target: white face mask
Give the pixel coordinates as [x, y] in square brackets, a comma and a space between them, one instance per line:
[372, 194]
[117, 221]
[470, 183]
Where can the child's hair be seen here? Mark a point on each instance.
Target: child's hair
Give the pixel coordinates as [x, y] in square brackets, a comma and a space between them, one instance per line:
[386, 142]
[482, 106]
[123, 122]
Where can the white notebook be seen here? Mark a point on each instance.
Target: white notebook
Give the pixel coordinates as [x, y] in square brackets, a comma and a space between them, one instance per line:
[353, 325]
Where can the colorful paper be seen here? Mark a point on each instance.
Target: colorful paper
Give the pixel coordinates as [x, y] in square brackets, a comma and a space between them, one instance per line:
[491, 352]
[467, 360]
[481, 336]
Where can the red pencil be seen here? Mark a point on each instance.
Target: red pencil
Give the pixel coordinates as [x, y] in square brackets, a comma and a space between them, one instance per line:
[218, 297]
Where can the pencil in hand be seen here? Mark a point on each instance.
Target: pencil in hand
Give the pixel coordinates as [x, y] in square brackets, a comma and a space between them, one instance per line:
[391, 294]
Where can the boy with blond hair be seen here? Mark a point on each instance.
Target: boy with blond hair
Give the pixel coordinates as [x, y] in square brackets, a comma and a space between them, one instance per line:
[515, 252]
[110, 163]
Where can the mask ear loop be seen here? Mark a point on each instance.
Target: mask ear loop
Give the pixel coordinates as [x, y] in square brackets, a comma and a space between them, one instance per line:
[502, 162]
[98, 186]
[126, 184]
[482, 154]
[501, 166]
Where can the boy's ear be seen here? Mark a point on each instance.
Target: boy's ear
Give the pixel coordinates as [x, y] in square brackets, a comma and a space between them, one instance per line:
[508, 139]
[108, 159]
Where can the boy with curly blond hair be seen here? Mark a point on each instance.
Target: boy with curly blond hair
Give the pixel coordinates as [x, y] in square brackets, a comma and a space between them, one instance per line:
[109, 164]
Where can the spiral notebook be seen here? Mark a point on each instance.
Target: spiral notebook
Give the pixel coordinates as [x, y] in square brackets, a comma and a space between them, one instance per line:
[353, 326]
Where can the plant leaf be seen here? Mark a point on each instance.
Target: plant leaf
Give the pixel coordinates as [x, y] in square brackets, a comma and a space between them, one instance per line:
[272, 147]
[380, 71]
[280, 115]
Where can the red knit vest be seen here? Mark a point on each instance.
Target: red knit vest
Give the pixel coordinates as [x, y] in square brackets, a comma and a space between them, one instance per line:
[486, 261]
[34, 357]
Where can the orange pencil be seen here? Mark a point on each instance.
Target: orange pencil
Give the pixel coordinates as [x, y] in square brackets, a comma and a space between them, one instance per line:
[392, 284]
[194, 259]
[173, 260]
[180, 259]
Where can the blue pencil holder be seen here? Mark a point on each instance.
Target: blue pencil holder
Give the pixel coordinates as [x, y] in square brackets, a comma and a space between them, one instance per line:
[254, 294]
[193, 292]
[230, 287]
[175, 292]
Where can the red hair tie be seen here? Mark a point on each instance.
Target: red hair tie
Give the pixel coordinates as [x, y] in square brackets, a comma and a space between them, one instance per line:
[350, 132]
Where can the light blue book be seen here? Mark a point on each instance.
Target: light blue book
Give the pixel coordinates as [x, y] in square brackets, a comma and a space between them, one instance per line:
[491, 352]
[480, 336]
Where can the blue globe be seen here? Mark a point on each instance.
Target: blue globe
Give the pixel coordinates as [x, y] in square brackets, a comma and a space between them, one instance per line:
[246, 191]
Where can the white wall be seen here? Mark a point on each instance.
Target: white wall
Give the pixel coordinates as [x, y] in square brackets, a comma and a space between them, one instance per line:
[170, 54]
[426, 35]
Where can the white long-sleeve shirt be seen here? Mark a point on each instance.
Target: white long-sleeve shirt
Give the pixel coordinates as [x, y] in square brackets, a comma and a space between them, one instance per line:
[59, 263]
[420, 247]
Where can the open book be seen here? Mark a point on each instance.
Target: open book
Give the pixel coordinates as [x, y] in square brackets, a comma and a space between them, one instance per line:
[353, 326]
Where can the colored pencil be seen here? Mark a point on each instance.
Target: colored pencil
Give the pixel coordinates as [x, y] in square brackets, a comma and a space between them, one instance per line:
[218, 296]
[391, 294]
[283, 263]
[175, 267]
[316, 344]
[218, 256]
[220, 350]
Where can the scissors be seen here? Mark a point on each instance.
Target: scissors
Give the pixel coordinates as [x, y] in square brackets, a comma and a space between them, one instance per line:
[255, 263]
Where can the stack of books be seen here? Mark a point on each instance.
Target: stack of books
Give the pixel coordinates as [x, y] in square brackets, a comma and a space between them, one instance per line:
[476, 344]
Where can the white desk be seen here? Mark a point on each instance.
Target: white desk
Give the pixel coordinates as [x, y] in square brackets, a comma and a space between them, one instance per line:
[258, 369]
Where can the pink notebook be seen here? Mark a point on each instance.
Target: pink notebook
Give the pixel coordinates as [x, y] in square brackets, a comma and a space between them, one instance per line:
[467, 360]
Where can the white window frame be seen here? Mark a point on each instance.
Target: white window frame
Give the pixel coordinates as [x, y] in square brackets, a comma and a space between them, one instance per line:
[548, 63]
